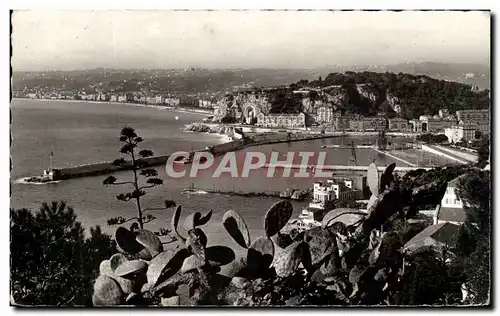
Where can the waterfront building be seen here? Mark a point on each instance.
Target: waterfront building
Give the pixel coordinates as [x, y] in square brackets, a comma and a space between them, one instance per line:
[342, 122]
[364, 124]
[428, 124]
[158, 99]
[122, 98]
[324, 115]
[473, 115]
[451, 209]
[172, 101]
[398, 124]
[460, 133]
[113, 98]
[332, 189]
[281, 120]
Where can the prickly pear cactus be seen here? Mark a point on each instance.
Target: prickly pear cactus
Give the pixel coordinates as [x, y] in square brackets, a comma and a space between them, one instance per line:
[277, 216]
[195, 219]
[126, 242]
[107, 292]
[260, 254]
[149, 241]
[131, 267]
[219, 255]
[321, 243]
[237, 228]
[283, 240]
[289, 260]
[387, 177]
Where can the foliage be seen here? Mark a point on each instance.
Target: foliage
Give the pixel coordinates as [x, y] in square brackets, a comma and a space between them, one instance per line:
[432, 138]
[52, 263]
[417, 94]
[327, 265]
[139, 166]
[483, 152]
[475, 237]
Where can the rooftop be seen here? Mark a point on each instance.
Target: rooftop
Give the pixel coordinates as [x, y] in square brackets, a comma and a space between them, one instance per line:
[452, 214]
[434, 235]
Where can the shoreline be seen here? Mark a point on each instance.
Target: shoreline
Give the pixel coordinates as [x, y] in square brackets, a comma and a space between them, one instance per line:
[163, 108]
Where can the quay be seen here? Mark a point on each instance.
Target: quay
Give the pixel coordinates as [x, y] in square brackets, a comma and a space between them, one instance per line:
[107, 167]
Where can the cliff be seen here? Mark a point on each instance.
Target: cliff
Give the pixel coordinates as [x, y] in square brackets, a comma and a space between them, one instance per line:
[365, 93]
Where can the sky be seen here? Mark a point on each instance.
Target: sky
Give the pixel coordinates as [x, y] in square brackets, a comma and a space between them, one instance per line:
[65, 40]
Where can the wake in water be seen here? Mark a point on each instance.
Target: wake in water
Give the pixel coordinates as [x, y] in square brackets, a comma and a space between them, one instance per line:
[195, 192]
[25, 181]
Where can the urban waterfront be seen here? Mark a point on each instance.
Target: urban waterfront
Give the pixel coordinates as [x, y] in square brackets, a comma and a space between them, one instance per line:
[67, 127]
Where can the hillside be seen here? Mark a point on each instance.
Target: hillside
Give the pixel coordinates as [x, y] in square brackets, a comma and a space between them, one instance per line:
[365, 93]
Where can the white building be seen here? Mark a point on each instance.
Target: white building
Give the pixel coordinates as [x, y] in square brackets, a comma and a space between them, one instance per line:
[451, 209]
[333, 190]
[282, 120]
[460, 133]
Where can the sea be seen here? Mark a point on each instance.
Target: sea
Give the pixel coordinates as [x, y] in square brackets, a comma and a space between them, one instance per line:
[82, 132]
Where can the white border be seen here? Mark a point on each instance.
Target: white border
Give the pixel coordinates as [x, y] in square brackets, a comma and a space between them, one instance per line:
[185, 4]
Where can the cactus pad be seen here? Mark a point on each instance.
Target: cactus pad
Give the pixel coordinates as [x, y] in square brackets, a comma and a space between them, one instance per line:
[283, 240]
[150, 241]
[260, 254]
[237, 228]
[131, 267]
[192, 263]
[372, 178]
[387, 177]
[219, 255]
[126, 242]
[158, 265]
[105, 268]
[116, 260]
[321, 243]
[277, 216]
[288, 261]
[107, 292]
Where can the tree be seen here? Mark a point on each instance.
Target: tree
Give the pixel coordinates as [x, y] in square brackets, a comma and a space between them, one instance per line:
[139, 167]
[52, 263]
[483, 152]
[474, 241]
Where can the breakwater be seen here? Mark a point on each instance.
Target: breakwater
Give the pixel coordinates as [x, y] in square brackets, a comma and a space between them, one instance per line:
[101, 168]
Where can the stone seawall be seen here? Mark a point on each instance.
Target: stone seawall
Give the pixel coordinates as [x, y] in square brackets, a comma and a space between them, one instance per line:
[101, 168]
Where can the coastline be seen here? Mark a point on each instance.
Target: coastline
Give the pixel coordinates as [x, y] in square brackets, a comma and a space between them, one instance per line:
[163, 108]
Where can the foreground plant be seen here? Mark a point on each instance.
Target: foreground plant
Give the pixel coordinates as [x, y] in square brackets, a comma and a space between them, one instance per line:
[139, 165]
[334, 264]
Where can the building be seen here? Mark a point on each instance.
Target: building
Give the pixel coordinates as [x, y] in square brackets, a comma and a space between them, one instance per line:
[473, 115]
[363, 124]
[460, 133]
[158, 99]
[341, 123]
[282, 120]
[113, 98]
[122, 98]
[451, 209]
[330, 190]
[398, 124]
[427, 124]
[438, 236]
[444, 113]
[324, 115]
